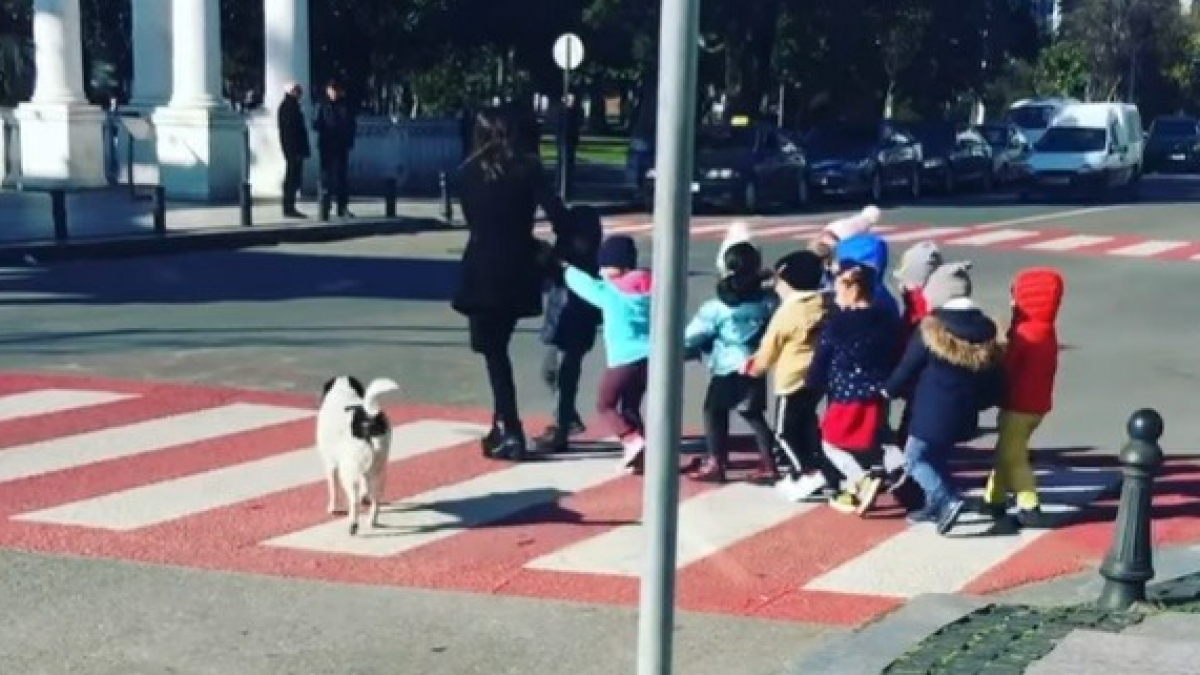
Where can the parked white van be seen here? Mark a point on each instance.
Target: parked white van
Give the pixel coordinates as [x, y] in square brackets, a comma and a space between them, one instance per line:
[1090, 147]
[1034, 115]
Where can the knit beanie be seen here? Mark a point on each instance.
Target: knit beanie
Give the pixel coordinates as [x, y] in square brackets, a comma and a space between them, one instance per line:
[950, 281]
[802, 270]
[917, 264]
[618, 251]
[859, 223]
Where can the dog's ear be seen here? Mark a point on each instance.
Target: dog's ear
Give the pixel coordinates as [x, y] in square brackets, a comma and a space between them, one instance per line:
[328, 385]
[357, 385]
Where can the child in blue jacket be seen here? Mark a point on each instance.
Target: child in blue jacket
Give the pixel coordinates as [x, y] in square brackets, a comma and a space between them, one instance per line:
[622, 294]
[729, 328]
[569, 328]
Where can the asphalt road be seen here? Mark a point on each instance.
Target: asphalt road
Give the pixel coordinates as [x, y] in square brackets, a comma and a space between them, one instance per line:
[285, 318]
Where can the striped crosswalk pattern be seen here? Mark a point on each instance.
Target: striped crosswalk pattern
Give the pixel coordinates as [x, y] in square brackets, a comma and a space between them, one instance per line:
[229, 480]
[1018, 235]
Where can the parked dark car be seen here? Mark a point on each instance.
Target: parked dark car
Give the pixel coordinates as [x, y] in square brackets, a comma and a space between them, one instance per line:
[1010, 151]
[868, 161]
[744, 165]
[951, 159]
[1173, 145]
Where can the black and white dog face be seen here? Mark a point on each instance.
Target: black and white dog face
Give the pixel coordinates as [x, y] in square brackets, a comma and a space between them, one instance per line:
[355, 384]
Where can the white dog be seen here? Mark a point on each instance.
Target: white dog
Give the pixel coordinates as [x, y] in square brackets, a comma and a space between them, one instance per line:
[354, 438]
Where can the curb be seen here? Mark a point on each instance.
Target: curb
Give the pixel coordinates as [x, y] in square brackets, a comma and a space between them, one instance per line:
[217, 239]
[870, 650]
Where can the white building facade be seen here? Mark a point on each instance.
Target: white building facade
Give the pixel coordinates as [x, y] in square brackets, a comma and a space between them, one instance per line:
[178, 129]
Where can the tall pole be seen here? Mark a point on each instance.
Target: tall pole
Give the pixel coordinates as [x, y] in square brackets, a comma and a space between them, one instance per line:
[679, 33]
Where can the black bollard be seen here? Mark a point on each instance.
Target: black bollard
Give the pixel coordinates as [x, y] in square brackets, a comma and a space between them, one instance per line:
[58, 212]
[389, 197]
[246, 204]
[447, 206]
[160, 210]
[1129, 563]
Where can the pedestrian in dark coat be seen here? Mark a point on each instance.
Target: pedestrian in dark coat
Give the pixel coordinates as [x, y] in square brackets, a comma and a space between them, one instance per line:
[569, 329]
[503, 266]
[336, 128]
[293, 140]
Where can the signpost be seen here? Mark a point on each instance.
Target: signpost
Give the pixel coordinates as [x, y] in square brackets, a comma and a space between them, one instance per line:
[680, 24]
[568, 54]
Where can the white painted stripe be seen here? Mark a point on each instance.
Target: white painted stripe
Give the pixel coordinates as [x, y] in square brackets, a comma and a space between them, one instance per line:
[919, 560]
[136, 439]
[435, 515]
[182, 497]
[44, 401]
[1148, 248]
[707, 524]
[1068, 243]
[1056, 215]
[785, 230]
[629, 228]
[992, 237]
[711, 228]
[925, 233]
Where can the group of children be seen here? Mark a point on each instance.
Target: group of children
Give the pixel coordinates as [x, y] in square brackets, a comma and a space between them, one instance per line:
[824, 326]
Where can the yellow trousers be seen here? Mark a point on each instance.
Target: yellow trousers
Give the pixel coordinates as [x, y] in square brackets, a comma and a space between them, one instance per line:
[1013, 472]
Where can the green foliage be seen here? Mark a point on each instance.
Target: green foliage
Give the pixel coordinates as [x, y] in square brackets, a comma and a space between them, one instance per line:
[1062, 70]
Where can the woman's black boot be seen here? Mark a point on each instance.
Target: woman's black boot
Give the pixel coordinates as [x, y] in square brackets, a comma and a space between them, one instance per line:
[512, 446]
[494, 439]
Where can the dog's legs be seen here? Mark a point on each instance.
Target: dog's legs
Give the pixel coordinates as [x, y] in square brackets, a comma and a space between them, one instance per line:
[375, 494]
[353, 490]
[331, 480]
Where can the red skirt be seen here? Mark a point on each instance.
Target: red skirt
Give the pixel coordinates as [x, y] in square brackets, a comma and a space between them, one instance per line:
[853, 426]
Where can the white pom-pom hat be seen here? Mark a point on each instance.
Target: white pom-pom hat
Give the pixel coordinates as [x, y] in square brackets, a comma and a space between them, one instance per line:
[859, 223]
[738, 233]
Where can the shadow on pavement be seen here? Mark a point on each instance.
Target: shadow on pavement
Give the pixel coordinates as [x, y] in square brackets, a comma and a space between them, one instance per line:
[238, 276]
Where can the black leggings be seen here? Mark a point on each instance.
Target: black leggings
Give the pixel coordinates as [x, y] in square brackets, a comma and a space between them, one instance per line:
[799, 432]
[490, 336]
[747, 396]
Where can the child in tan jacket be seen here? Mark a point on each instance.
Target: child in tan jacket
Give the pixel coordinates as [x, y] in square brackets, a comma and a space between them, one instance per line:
[787, 351]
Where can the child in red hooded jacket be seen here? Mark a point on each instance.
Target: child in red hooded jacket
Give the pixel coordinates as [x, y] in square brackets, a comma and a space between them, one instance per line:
[1031, 364]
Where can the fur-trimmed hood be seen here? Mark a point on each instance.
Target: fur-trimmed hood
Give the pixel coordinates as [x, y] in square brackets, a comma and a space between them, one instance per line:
[965, 338]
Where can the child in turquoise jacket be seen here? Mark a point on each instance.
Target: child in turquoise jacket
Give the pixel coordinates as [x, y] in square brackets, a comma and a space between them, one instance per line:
[622, 294]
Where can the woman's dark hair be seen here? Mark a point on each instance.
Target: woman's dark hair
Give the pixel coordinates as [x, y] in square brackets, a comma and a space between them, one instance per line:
[493, 147]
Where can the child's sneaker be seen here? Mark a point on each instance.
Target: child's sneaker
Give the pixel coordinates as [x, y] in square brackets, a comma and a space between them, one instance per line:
[800, 488]
[552, 441]
[867, 491]
[844, 503]
[635, 447]
[764, 475]
[948, 517]
[709, 472]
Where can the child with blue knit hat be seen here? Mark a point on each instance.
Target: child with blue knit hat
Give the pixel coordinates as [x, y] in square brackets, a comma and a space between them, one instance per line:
[622, 294]
[853, 360]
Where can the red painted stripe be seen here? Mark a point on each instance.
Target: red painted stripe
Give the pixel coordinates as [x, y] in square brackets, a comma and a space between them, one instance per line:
[1181, 253]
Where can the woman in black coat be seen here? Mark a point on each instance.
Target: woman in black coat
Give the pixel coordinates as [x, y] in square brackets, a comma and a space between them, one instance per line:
[501, 186]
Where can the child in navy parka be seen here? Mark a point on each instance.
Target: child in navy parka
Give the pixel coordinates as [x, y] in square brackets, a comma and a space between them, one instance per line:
[569, 327]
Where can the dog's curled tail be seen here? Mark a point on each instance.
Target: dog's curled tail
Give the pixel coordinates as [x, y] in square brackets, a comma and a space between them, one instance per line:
[375, 390]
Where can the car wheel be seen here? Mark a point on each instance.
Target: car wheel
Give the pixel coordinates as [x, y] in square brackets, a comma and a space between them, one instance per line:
[749, 198]
[876, 188]
[802, 194]
[914, 184]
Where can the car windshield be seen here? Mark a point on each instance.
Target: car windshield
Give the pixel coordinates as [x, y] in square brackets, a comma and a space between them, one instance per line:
[1173, 127]
[996, 136]
[725, 138]
[1073, 139]
[841, 141]
[1031, 116]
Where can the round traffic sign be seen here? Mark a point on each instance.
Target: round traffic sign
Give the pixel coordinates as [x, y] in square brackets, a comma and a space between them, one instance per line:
[568, 51]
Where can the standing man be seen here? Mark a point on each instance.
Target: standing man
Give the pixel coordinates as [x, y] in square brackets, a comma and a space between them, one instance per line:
[336, 127]
[570, 123]
[293, 139]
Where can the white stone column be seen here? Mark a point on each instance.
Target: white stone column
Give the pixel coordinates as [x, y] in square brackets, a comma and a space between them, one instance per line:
[62, 134]
[199, 138]
[152, 52]
[286, 58]
[286, 46]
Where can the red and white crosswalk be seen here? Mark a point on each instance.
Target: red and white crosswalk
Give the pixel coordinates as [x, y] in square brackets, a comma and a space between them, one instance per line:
[984, 235]
[228, 480]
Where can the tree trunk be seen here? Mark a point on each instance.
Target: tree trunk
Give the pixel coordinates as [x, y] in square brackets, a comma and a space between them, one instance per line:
[889, 100]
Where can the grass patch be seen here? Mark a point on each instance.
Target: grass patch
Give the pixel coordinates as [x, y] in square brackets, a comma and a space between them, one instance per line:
[609, 151]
